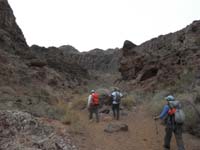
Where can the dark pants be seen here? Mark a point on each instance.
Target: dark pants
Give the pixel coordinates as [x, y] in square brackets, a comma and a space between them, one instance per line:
[115, 108]
[94, 109]
[178, 135]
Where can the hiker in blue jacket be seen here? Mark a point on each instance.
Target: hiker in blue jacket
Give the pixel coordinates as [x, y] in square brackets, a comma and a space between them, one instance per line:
[171, 126]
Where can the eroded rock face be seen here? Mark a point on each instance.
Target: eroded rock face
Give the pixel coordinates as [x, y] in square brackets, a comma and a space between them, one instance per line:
[163, 59]
[11, 36]
[100, 60]
[94, 60]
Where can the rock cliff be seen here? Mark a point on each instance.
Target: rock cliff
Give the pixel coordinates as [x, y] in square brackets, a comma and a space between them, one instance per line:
[11, 36]
[94, 60]
[27, 82]
[162, 60]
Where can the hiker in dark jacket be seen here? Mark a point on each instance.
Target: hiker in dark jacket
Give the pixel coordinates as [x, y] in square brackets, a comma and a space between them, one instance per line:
[116, 99]
[93, 105]
[171, 126]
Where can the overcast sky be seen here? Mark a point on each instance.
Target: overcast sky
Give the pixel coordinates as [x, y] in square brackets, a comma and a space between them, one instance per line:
[89, 24]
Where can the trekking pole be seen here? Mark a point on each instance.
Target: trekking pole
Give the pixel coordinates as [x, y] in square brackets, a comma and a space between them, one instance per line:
[156, 127]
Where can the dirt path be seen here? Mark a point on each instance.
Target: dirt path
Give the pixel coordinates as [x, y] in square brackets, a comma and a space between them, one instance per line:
[141, 135]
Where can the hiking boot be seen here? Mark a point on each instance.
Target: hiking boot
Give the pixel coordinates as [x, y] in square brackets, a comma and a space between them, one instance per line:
[166, 148]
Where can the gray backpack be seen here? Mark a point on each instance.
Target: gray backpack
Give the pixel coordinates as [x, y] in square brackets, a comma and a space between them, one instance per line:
[178, 114]
[117, 97]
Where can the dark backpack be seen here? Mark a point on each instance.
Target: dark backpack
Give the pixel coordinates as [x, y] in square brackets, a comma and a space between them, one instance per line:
[117, 97]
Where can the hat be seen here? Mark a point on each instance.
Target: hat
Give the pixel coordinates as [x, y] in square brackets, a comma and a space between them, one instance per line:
[92, 91]
[116, 89]
[170, 98]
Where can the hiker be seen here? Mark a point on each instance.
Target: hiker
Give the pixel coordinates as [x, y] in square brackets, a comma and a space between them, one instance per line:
[116, 99]
[168, 115]
[93, 105]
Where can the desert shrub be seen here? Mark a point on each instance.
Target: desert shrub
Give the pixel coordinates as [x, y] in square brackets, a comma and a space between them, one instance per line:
[79, 101]
[191, 116]
[157, 101]
[42, 94]
[185, 83]
[79, 104]
[129, 101]
[67, 114]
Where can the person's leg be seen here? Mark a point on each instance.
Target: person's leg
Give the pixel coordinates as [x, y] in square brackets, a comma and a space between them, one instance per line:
[117, 109]
[179, 138]
[168, 136]
[90, 113]
[96, 113]
[113, 108]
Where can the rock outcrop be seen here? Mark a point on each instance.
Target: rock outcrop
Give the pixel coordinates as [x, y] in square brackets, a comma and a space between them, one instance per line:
[28, 82]
[162, 60]
[11, 36]
[20, 130]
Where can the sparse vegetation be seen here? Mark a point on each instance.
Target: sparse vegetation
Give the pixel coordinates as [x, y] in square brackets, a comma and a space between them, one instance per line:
[79, 102]
[67, 114]
[129, 101]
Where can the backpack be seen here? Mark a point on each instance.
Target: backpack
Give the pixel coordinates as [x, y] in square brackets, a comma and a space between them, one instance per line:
[117, 97]
[95, 99]
[176, 111]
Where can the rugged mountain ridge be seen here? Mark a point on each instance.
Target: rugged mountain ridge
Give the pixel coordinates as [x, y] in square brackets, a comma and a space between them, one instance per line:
[163, 59]
[94, 60]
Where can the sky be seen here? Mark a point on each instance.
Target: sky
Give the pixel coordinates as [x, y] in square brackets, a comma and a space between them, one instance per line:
[104, 24]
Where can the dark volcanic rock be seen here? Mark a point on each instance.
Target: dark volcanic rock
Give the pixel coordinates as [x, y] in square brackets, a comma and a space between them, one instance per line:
[162, 59]
[11, 36]
[94, 60]
[68, 49]
[97, 59]
[56, 59]
[128, 45]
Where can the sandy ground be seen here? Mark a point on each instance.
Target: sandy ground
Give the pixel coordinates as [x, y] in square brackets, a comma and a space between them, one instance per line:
[141, 135]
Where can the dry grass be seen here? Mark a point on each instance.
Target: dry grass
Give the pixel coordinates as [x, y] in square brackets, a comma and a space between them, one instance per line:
[69, 112]
[68, 115]
[129, 101]
[79, 102]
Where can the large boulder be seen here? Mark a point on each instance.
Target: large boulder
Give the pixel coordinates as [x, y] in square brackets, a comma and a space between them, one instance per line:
[116, 127]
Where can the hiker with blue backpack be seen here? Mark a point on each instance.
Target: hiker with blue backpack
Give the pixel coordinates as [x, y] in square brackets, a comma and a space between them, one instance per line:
[93, 105]
[174, 118]
[116, 100]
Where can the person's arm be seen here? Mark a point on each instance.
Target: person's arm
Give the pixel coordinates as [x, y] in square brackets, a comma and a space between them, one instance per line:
[121, 95]
[89, 101]
[163, 113]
